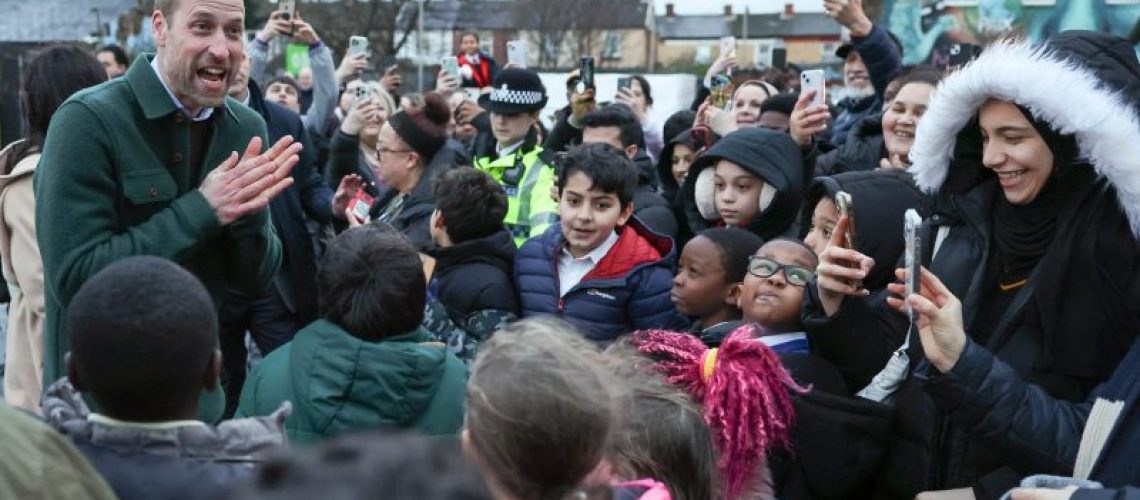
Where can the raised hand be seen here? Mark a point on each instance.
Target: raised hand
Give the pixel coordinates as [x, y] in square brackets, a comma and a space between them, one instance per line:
[349, 186]
[841, 270]
[806, 120]
[939, 318]
[243, 185]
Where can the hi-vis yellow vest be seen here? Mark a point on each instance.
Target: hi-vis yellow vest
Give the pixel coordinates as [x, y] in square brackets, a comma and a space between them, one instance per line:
[531, 208]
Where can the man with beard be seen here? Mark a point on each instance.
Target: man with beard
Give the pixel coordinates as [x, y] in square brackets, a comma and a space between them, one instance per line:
[161, 162]
[870, 61]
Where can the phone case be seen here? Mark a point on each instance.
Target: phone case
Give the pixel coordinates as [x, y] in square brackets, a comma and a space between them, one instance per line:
[361, 205]
[451, 66]
[814, 80]
[913, 256]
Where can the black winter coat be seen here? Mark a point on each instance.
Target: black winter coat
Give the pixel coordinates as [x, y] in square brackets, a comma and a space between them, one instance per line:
[1093, 259]
[308, 196]
[989, 398]
[862, 151]
[476, 275]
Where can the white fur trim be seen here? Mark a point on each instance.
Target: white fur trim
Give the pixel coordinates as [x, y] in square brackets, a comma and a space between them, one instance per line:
[705, 194]
[767, 193]
[1058, 91]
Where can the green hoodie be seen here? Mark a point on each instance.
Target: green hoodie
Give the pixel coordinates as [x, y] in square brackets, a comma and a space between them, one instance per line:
[339, 383]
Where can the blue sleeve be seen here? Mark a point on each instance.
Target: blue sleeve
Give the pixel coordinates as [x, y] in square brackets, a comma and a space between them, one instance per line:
[881, 57]
[650, 306]
[1126, 493]
[986, 397]
[315, 193]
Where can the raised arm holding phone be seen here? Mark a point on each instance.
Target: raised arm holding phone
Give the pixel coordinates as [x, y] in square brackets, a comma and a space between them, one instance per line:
[325, 75]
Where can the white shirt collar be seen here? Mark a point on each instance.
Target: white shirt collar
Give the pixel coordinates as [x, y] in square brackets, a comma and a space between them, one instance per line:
[504, 151]
[595, 256]
[96, 418]
[203, 115]
[781, 338]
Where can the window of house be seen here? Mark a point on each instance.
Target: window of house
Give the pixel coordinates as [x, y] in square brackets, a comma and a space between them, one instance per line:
[611, 45]
[763, 54]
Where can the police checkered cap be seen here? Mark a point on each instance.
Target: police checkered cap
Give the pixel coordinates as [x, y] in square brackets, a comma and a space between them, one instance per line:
[506, 95]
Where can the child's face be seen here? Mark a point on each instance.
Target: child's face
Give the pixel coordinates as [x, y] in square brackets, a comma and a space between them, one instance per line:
[823, 221]
[588, 216]
[773, 302]
[737, 193]
[699, 288]
[682, 158]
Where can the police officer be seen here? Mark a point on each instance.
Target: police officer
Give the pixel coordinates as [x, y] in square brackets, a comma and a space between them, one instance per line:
[513, 155]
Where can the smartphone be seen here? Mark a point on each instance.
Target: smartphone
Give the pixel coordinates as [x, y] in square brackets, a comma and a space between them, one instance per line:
[846, 208]
[287, 8]
[728, 46]
[451, 66]
[779, 58]
[360, 93]
[814, 79]
[357, 45]
[516, 53]
[721, 92]
[912, 224]
[586, 75]
[360, 205]
[625, 82]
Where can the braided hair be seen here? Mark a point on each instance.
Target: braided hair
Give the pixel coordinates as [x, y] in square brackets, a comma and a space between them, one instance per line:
[743, 389]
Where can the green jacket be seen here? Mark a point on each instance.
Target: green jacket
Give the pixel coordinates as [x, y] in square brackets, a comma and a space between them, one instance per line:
[114, 182]
[39, 462]
[530, 209]
[339, 383]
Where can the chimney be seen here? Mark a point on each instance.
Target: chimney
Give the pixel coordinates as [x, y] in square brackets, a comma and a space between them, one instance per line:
[727, 10]
[789, 10]
[669, 10]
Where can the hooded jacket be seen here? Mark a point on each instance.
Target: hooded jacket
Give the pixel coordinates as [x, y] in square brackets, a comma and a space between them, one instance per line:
[24, 274]
[475, 275]
[1073, 320]
[649, 206]
[880, 198]
[862, 151]
[174, 462]
[773, 157]
[339, 383]
[627, 291]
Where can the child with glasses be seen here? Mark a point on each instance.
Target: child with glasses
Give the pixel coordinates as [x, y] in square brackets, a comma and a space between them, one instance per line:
[770, 299]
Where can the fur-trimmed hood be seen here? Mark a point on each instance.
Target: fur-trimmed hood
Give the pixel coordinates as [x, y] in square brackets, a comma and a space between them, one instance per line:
[1082, 83]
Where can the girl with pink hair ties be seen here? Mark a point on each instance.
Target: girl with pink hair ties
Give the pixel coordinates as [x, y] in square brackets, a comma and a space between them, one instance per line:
[745, 393]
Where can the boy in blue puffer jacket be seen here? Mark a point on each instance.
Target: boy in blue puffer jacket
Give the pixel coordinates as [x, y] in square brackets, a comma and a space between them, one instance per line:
[600, 268]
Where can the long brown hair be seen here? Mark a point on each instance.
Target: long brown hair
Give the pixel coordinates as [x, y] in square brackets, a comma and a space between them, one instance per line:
[49, 80]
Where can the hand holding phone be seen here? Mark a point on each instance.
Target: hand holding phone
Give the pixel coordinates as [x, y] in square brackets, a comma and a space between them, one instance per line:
[846, 207]
[451, 66]
[360, 206]
[288, 10]
[357, 45]
[586, 75]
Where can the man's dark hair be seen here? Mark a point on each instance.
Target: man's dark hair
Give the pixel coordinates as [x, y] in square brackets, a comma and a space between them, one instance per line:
[735, 245]
[143, 335]
[608, 168]
[469, 33]
[620, 116]
[404, 467]
[472, 203]
[118, 53]
[287, 80]
[781, 103]
[371, 283]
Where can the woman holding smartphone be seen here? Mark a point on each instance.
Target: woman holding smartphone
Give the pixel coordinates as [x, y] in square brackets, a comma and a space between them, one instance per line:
[1034, 228]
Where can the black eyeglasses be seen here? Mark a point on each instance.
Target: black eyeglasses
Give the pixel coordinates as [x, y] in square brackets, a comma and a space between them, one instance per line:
[765, 268]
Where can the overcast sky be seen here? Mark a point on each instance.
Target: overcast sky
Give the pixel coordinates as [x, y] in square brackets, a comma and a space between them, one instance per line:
[754, 6]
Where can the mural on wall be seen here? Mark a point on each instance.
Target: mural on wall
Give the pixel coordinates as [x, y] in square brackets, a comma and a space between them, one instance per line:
[928, 30]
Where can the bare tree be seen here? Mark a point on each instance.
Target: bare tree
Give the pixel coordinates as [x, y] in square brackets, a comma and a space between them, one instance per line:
[557, 25]
[388, 24]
